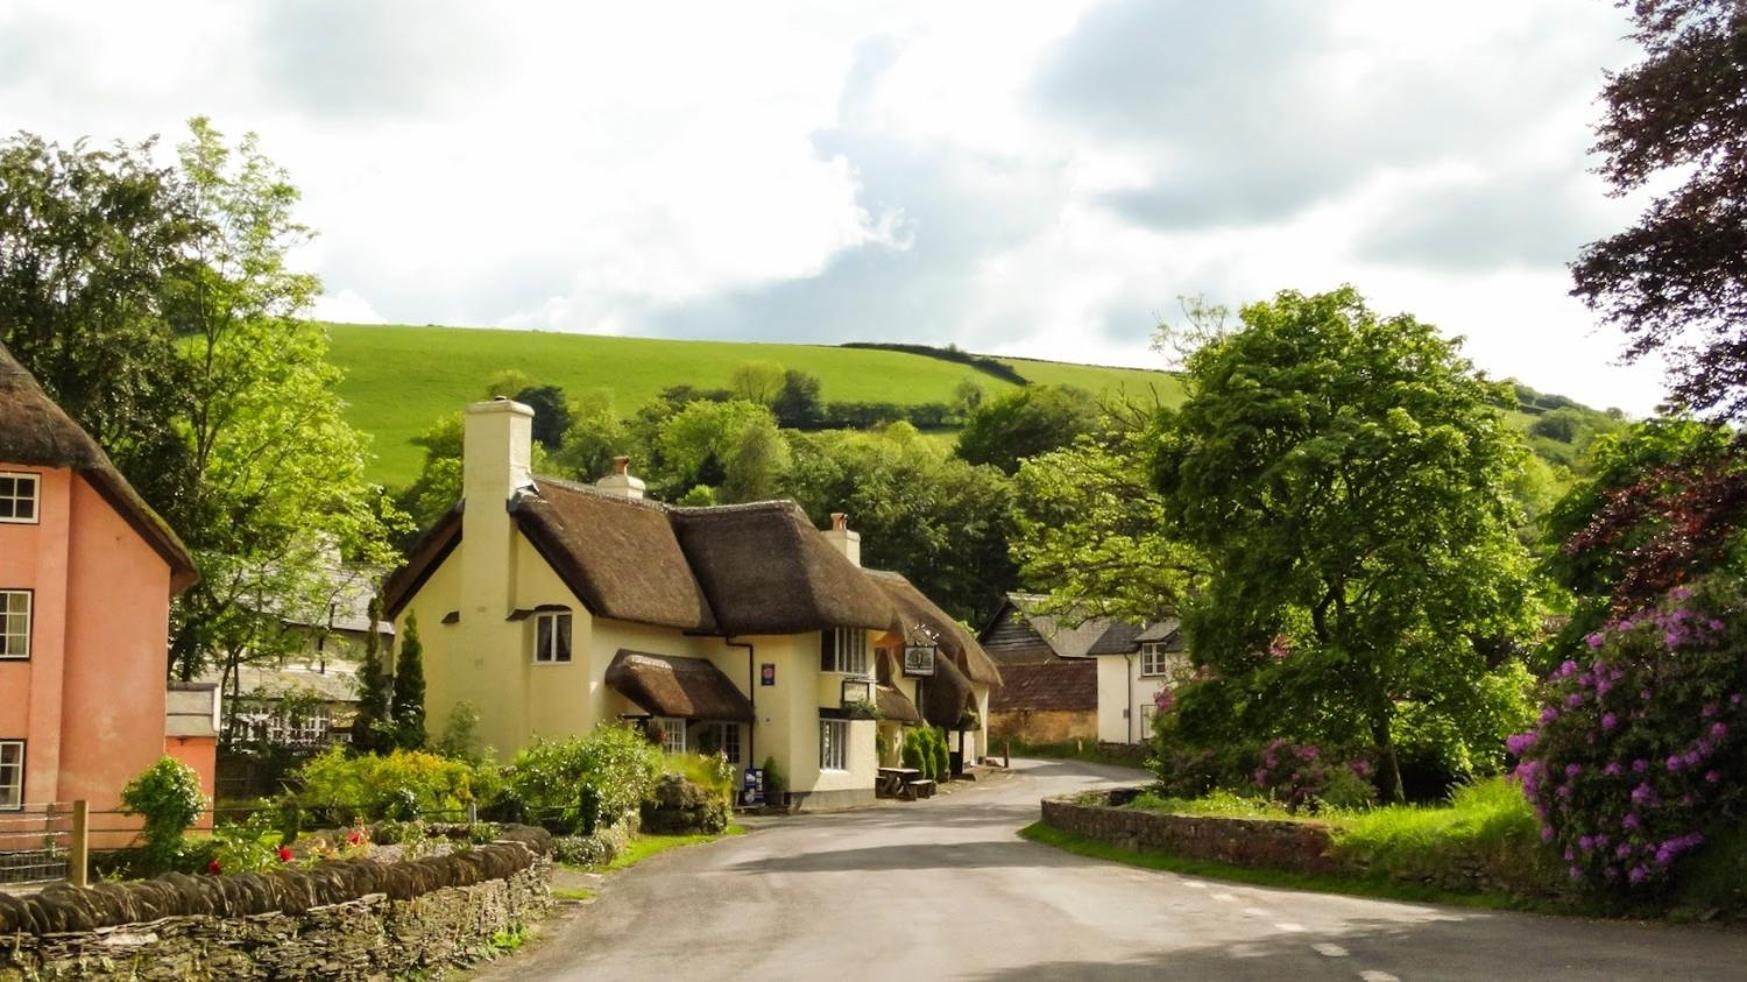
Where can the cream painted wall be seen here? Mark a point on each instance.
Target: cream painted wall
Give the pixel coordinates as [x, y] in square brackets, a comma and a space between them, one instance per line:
[1122, 687]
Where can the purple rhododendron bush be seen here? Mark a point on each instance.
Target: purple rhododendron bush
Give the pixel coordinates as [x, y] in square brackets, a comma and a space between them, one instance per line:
[1639, 753]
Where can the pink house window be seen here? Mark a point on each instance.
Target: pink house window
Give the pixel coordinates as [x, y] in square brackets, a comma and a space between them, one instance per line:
[14, 624]
[11, 775]
[18, 495]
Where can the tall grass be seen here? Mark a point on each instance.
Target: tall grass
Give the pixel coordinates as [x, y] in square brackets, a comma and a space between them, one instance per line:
[1486, 831]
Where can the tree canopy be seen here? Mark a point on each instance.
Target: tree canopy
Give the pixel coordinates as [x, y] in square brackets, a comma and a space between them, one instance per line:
[1344, 475]
[1025, 423]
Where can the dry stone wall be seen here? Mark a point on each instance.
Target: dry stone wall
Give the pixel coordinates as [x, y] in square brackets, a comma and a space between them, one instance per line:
[1302, 847]
[351, 919]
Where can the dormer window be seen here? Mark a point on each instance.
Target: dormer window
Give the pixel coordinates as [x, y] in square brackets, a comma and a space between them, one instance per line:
[552, 637]
[18, 498]
[843, 650]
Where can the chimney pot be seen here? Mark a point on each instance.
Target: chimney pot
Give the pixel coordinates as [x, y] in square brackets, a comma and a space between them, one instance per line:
[847, 542]
[620, 481]
[839, 521]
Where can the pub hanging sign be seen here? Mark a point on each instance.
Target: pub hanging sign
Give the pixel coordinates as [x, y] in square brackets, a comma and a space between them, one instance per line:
[919, 660]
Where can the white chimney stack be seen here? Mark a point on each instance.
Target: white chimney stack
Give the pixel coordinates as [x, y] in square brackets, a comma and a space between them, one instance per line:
[620, 481]
[496, 462]
[846, 541]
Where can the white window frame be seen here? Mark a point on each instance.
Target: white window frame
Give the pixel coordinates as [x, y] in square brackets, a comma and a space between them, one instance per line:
[834, 745]
[672, 733]
[7, 620]
[12, 499]
[849, 652]
[11, 775]
[1154, 652]
[557, 624]
[1147, 712]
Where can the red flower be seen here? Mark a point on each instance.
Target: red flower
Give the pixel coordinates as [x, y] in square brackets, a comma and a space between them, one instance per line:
[214, 868]
[285, 854]
[354, 838]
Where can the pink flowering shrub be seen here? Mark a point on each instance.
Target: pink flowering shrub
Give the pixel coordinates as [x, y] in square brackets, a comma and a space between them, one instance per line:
[1302, 776]
[1639, 749]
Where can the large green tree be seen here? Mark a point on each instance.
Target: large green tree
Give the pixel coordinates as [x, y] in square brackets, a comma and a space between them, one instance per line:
[1025, 423]
[938, 520]
[88, 239]
[1345, 476]
[157, 305]
[1090, 530]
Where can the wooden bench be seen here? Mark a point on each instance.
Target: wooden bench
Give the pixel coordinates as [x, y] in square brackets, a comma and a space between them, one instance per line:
[919, 789]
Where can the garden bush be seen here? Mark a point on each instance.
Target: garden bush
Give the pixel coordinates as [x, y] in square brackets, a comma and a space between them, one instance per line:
[336, 789]
[250, 846]
[168, 796]
[1637, 758]
[1302, 776]
[776, 783]
[616, 760]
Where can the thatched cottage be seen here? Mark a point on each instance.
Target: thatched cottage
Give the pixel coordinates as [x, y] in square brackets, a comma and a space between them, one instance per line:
[550, 606]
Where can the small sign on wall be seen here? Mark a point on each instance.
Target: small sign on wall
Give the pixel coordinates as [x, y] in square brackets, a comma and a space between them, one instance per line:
[767, 674]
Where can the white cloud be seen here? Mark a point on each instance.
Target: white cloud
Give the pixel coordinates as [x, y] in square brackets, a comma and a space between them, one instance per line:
[1040, 178]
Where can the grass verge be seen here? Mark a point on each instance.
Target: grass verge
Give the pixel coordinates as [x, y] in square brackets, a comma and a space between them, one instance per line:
[644, 846]
[1379, 888]
[574, 893]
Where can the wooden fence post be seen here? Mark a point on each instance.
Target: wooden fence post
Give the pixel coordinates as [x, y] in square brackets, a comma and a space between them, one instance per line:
[79, 850]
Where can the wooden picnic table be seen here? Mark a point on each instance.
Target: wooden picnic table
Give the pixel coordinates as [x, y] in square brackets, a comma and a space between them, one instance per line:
[893, 780]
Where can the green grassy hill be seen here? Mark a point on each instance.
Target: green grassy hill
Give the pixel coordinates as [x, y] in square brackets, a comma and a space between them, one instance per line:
[401, 378]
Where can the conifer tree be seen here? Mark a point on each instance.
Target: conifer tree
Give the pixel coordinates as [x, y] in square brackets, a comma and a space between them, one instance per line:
[409, 690]
[373, 695]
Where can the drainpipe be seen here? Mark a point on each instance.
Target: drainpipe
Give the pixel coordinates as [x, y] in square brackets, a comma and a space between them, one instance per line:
[751, 695]
[1128, 661]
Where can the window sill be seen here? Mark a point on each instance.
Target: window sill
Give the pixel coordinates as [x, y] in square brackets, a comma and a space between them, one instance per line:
[552, 664]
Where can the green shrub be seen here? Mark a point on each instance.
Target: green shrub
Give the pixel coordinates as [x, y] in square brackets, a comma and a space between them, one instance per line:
[942, 757]
[168, 796]
[401, 785]
[1488, 823]
[615, 759]
[712, 772]
[248, 846]
[776, 783]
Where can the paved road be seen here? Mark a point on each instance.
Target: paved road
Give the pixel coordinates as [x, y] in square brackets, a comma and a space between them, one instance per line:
[944, 890]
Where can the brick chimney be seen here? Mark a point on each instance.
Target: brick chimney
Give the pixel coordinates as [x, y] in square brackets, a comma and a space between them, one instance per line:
[846, 541]
[620, 480]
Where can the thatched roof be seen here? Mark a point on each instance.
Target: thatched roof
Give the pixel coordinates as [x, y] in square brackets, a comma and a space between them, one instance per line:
[946, 695]
[733, 570]
[687, 688]
[35, 432]
[914, 609]
[618, 555]
[767, 570]
[895, 706]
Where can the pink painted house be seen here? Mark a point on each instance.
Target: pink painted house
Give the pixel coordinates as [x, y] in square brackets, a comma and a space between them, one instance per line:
[87, 571]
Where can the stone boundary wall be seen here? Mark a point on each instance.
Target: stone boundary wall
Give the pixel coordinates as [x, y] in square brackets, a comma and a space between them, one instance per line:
[345, 919]
[1299, 847]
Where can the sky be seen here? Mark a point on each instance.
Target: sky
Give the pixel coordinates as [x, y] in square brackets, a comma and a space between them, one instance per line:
[1041, 179]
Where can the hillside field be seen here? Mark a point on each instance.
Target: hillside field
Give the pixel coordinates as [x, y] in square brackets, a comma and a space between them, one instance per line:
[400, 378]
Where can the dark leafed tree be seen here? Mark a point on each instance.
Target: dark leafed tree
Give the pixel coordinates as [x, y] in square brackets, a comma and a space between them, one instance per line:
[409, 690]
[551, 413]
[1676, 281]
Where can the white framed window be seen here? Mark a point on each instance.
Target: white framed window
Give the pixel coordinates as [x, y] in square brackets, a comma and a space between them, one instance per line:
[723, 738]
[833, 745]
[843, 651]
[552, 637]
[18, 498]
[672, 733]
[1147, 712]
[14, 624]
[11, 775]
[1153, 659]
